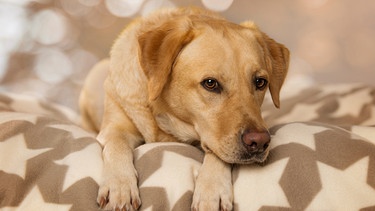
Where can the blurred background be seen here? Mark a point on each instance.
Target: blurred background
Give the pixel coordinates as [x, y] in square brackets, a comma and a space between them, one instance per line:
[48, 46]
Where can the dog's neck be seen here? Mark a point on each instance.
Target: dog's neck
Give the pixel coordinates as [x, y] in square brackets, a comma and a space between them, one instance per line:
[183, 131]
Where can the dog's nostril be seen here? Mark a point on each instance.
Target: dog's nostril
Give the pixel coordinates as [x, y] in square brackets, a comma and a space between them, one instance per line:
[253, 145]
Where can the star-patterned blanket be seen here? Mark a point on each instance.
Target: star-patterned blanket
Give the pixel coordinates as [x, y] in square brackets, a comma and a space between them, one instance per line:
[322, 158]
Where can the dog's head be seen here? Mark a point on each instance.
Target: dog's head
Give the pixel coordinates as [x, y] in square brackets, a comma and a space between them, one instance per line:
[213, 75]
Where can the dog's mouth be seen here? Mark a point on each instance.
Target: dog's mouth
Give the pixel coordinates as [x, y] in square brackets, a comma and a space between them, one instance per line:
[248, 158]
[241, 156]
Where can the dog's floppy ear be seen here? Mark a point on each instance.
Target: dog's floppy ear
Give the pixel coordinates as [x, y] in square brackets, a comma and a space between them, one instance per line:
[158, 50]
[277, 61]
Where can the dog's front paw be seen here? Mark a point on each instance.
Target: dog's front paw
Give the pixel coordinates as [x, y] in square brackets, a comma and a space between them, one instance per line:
[119, 193]
[213, 187]
[213, 197]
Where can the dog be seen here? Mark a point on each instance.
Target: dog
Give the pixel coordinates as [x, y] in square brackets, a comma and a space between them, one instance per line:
[183, 75]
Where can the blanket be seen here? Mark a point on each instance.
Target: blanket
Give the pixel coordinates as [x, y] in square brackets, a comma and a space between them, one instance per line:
[322, 157]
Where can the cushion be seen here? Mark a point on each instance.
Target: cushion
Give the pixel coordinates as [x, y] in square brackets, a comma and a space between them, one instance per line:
[324, 162]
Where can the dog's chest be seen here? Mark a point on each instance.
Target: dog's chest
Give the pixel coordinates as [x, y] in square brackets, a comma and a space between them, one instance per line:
[183, 131]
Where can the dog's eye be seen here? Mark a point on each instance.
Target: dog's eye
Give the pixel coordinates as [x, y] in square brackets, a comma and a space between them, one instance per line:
[211, 85]
[260, 83]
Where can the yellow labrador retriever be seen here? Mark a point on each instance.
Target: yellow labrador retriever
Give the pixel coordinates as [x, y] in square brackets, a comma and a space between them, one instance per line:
[183, 75]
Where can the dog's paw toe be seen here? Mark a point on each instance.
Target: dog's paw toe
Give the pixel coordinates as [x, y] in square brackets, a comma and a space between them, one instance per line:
[226, 205]
[119, 195]
[136, 203]
[102, 201]
[212, 205]
[214, 201]
[103, 197]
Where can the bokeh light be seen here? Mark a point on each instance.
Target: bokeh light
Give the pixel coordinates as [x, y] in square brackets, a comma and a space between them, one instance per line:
[12, 22]
[124, 8]
[52, 65]
[46, 21]
[151, 5]
[216, 5]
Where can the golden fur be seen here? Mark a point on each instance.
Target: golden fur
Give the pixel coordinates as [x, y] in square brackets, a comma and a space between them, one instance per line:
[183, 75]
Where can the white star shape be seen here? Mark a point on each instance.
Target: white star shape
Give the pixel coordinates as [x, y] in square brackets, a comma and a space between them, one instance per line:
[176, 175]
[344, 190]
[10, 116]
[81, 164]
[352, 104]
[360, 132]
[34, 201]
[77, 132]
[301, 112]
[34, 105]
[259, 186]
[32, 102]
[17, 154]
[296, 133]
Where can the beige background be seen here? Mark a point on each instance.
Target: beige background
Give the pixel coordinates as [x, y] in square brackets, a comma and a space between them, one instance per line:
[49, 45]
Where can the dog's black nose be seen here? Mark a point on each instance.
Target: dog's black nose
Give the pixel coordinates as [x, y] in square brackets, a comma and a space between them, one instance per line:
[255, 141]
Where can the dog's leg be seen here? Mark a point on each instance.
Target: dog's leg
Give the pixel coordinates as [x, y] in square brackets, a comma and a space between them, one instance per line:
[119, 188]
[213, 187]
